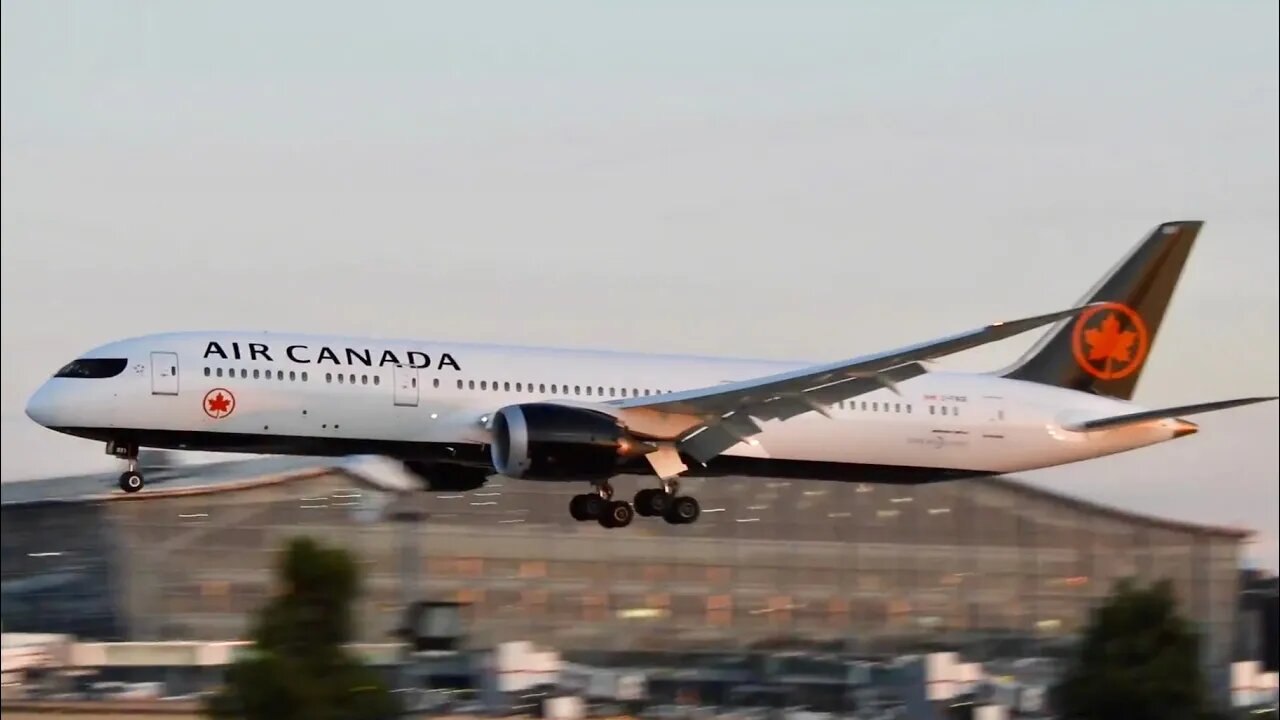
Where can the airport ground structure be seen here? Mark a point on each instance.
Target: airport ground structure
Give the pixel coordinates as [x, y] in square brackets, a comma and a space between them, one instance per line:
[992, 567]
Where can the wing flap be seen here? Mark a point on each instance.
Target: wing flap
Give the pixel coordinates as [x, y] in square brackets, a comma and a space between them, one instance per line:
[1117, 421]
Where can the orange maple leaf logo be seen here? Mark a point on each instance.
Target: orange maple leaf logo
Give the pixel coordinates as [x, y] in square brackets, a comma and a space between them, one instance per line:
[1108, 342]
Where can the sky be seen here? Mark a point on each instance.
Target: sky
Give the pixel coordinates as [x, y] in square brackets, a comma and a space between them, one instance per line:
[800, 181]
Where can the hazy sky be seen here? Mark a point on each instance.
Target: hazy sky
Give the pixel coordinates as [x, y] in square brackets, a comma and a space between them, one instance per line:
[790, 180]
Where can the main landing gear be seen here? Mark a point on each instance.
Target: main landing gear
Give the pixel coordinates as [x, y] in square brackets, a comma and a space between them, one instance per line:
[130, 480]
[651, 502]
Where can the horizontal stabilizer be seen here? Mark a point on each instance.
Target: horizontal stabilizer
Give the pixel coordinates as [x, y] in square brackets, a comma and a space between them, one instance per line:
[1116, 421]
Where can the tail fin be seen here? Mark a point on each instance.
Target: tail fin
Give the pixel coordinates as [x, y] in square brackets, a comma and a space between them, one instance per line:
[1104, 349]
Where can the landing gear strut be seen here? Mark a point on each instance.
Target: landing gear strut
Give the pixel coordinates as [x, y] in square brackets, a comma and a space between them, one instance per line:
[130, 480]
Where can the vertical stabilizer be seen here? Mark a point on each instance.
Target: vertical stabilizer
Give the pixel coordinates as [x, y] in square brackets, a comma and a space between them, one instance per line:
[1104, 349]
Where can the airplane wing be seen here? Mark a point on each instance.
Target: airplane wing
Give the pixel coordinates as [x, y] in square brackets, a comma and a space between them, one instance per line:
[728, 412]
[1115, 421]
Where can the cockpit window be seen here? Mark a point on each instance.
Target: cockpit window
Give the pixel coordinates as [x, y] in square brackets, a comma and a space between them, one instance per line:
[93, 368]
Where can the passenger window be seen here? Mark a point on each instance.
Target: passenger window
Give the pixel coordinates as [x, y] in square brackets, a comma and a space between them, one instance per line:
[875, 407]
[588, 389]
[413, 382]
[519, 387]
[897, 407]
[577, 389]
[471, 384]
[459, 383]
[864, 405]
[623, 391]
[484, 384]
[506, 387]
[931, 409]
[944, 409]
[207, 372]
[351, 378]
[435, 382]
[244, 373]
[377, 379]
[304, 376]
[340, 378]
[543, 388]
[599, 391]
[908, 408]
[219, 372]
[364, 379]
[328, 377]
[292, 376]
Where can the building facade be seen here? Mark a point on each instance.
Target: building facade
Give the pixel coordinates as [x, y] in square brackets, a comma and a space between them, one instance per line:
[992, 567]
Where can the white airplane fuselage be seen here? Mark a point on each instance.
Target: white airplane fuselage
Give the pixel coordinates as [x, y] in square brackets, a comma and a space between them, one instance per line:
[328, 395]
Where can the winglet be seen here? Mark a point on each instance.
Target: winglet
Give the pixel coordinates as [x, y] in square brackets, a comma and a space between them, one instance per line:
[1015, 327]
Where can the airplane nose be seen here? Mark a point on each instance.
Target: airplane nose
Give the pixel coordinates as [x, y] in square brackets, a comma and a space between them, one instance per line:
[39, 408]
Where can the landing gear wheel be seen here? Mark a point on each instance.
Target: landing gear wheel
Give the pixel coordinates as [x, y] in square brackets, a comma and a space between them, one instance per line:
[617, 514]
[131, 481]
[683, 510]
[587, 507]
[652, 502]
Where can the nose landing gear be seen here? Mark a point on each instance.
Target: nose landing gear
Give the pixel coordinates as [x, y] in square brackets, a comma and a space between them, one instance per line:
[131, 480]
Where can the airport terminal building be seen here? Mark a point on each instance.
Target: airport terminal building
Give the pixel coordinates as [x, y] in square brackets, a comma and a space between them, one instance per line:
[991, 567]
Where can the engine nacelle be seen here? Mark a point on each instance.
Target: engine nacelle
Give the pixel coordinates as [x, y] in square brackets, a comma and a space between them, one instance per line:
[545, 441]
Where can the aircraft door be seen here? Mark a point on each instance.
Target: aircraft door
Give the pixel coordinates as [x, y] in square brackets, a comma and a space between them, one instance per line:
[406, 382]
[164, 373]
[994, 428]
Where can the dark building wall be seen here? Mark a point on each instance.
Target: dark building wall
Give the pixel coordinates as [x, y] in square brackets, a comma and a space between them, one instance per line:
[58, 574]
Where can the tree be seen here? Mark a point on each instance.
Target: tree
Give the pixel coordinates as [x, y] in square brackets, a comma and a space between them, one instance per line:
[1138, 660]
[299, 666]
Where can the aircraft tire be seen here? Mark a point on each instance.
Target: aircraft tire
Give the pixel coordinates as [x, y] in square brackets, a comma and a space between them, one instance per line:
[617, 514]
[131, 481]
[588, 506]
[683, 510]
[652, 502]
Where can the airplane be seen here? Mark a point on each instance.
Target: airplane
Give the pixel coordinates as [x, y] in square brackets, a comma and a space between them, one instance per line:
[456, 413]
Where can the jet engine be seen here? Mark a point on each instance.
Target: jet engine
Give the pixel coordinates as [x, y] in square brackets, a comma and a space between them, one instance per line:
[545, 441]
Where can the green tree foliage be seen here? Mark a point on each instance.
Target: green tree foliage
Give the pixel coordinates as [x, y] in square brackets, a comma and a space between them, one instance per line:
[1138, 660]
[299, 667]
